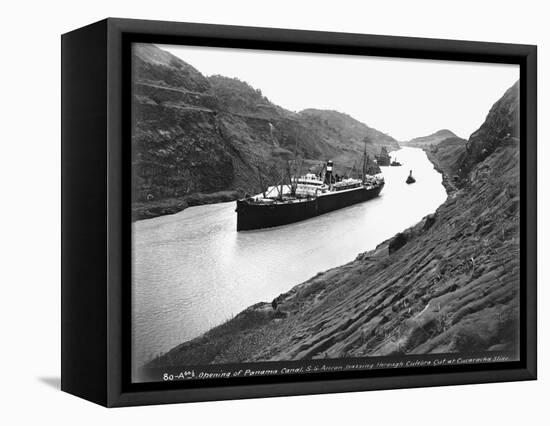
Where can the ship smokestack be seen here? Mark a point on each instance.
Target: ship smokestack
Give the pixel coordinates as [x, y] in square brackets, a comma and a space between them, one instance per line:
[328, 174]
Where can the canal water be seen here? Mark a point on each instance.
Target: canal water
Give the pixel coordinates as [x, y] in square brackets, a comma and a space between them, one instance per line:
[192, 270]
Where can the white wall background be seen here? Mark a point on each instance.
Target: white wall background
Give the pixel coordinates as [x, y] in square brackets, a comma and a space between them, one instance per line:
[30, 241]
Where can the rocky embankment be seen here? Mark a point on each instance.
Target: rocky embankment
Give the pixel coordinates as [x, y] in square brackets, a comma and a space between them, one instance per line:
[201, 139]
[448, 284]
[445, 157]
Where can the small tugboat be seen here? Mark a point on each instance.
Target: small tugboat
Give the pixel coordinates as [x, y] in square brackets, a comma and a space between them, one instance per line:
[410, 179]
[395, 163]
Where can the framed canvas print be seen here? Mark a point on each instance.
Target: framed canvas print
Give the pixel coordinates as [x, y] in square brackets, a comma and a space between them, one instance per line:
[253, 212]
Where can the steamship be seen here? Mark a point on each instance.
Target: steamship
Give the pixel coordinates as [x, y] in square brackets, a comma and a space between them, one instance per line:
[305, 197]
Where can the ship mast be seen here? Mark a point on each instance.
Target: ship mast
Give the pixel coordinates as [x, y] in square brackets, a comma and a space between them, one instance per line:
[364, 162]
[292, 183]
[351, 171]
[262, 187]
[281, 190]
[297, 174]
[323, 171]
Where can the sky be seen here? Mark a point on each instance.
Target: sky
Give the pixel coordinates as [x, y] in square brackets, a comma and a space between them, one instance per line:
[402, 97]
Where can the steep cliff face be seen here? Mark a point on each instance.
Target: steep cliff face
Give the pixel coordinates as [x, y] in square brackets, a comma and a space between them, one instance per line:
[457, 157]
[177, 146]
[433, 139]
[199, 139]
[448, 284]
[501, 124]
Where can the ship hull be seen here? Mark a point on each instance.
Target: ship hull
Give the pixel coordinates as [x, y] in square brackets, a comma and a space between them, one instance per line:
[252, 215]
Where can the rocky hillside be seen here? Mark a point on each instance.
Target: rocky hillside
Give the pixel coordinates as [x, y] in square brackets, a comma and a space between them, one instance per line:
[446, 156]
[433, 139]
[457, 157]
[448, 284]
[345, 132]
[501, 124]
[204, 139]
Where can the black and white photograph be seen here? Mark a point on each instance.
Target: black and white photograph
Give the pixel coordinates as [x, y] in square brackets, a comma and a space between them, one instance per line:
[301, 213]
[309, 210]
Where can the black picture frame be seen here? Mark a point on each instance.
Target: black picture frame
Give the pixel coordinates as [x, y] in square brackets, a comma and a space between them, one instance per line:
[96, 233]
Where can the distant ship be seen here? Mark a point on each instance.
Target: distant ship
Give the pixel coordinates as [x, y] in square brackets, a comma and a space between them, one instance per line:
[305, 197]
[384, 158]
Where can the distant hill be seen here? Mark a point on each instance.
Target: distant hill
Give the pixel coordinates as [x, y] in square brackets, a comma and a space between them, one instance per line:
[204, 139]
[434, 138]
